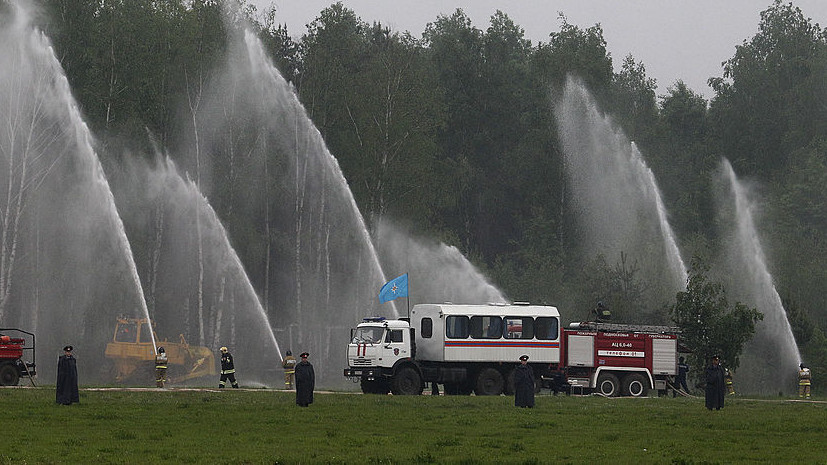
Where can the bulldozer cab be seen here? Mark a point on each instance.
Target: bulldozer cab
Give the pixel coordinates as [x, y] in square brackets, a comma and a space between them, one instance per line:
[133, 330]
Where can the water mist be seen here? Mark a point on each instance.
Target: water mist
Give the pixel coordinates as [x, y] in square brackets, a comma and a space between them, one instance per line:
[770, 360]
[617, 202]
[67, 266]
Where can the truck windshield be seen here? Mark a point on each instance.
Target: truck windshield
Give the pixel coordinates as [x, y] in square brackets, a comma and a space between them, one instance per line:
[370, 334]
[127, 332]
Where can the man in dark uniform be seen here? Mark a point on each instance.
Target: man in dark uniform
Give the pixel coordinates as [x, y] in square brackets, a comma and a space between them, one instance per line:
[715, 387]
[305, 381]
[227, 369]
[523, 384]
[680, 380]
[67, 378]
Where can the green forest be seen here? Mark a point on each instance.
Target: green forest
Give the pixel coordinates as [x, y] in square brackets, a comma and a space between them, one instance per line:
[450, 133]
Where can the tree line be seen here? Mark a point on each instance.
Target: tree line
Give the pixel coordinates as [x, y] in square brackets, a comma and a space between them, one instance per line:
[452, 135]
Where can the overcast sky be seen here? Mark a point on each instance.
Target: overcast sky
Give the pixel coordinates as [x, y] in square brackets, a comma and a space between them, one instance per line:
[675, 39]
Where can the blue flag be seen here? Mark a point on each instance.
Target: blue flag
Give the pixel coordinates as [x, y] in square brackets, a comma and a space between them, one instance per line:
[397, 287]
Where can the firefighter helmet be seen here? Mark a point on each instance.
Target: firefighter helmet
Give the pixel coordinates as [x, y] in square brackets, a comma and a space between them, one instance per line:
[223, 349]
[289, 353]
[161, 350]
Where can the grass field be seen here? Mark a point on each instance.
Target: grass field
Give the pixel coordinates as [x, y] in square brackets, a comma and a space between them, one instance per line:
[266, 427]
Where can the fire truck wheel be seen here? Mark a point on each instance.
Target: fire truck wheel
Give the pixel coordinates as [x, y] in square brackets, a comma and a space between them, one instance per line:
[489, 383]
[635, 385]
[407, 383]
[608, 385]
[9, 376]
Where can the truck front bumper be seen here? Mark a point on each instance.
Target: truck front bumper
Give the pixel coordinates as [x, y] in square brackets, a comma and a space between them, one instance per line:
[363, 373]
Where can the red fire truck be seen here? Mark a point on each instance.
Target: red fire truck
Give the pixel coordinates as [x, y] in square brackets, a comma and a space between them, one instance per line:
[619, 359]
[12, 349]
[474, 348]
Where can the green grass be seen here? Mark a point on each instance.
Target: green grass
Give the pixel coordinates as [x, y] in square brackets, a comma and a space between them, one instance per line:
[266, 427]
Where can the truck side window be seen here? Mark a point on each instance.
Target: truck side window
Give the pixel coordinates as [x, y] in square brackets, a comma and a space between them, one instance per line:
[394, 335]
[426, 328]
[456, 327]
[546, 327]
[486, 327]
[519, 327]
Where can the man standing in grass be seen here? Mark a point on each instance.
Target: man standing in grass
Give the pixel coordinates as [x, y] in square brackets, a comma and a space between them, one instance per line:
[680, 380]
[227, 369]
[803, 381]
[715, 388]
[730, 388]
[305, 381]
[289, 365]
[161, 367]
[524, 384]
[67, 378]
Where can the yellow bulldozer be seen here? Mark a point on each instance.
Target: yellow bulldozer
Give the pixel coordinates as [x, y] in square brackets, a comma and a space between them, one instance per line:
[133, 356]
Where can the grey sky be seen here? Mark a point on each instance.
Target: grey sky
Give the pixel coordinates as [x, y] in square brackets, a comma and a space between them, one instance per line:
[675, 39]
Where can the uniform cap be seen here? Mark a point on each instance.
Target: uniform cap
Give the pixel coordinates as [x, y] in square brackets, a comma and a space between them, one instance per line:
[160, 350]
[304, 354]
[523, 357]
[289, 353]
[68, 349]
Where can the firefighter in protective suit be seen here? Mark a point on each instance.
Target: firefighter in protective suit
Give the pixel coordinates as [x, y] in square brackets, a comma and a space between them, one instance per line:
[289, 365]
[227, 369]
[803, 381]
[730, 388]
[161, 367]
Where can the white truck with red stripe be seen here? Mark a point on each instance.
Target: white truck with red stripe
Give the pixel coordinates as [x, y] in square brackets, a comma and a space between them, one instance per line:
[474, 348]
[468, 348]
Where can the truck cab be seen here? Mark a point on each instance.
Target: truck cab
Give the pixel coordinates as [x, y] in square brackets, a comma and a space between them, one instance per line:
[379, 349]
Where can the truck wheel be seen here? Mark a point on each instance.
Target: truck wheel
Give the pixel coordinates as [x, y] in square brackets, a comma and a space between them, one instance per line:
[608, 385]
[635, 385]
[489, 383]
[509, 388]
[9, 375]
[407, 382]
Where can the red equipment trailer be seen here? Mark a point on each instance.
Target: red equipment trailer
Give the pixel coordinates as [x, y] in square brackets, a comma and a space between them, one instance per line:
[14, 343]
